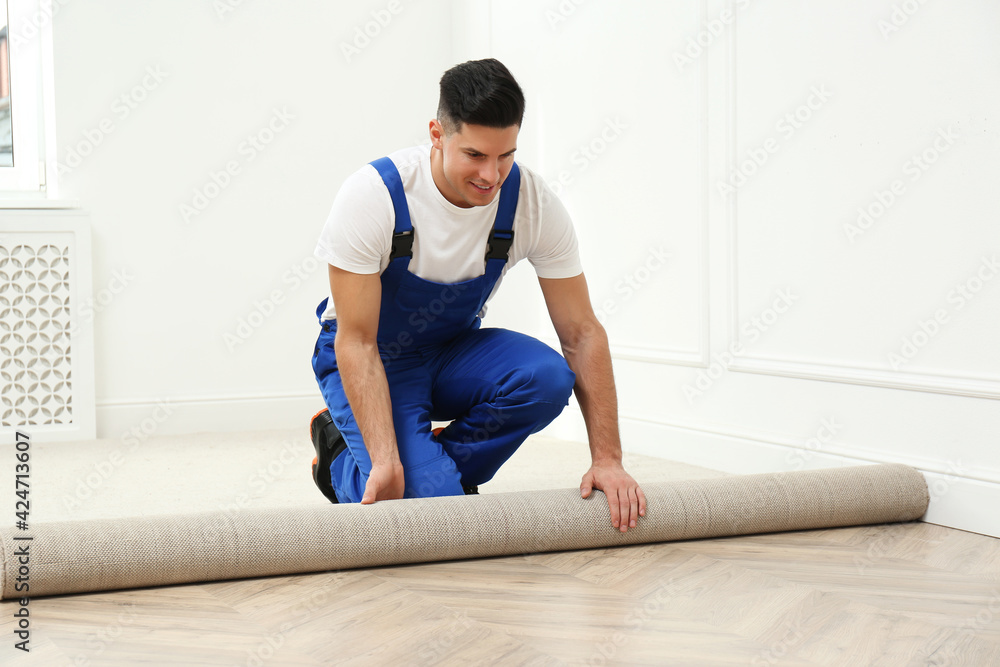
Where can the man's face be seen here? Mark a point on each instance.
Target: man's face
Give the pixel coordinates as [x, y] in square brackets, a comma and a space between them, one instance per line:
[471, 164]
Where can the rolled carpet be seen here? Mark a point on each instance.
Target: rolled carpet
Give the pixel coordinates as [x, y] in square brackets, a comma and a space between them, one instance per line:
[132, 552]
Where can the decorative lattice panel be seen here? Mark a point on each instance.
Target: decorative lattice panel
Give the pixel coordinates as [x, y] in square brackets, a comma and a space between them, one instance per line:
[35, 335]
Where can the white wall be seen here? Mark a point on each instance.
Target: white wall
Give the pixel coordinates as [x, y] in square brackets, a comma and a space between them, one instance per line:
[713, 366]
[176, 287]
[637, 144]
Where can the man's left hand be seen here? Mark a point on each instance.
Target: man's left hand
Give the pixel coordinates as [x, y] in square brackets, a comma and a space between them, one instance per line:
[625, 499]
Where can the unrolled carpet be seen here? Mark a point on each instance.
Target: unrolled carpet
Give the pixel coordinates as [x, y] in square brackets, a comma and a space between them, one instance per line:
[98, 555]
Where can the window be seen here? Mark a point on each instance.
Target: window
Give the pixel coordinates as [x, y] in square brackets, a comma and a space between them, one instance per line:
[6, 140]
[25, 97]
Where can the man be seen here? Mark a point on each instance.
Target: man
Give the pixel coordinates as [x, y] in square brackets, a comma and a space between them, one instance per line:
[417, 243]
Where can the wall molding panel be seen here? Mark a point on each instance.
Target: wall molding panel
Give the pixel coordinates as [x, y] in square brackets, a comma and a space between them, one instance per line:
[954, 384]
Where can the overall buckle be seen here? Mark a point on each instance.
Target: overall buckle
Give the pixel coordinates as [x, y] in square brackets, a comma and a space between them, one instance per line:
[498, 246]
[402, 245]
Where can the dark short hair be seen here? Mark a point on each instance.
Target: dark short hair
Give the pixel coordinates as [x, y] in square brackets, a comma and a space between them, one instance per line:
[479, 92]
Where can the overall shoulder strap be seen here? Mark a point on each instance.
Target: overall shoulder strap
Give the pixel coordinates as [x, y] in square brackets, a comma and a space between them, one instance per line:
[502, 234]
[402, 237]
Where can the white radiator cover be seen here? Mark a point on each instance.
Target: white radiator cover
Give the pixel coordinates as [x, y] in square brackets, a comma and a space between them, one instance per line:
[46, 332]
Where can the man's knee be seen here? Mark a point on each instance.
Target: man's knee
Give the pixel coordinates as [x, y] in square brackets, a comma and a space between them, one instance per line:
[552, 380]
[546, 391]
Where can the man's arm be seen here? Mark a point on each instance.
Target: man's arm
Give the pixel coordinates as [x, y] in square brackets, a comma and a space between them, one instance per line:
[357, 297]
[585, 346]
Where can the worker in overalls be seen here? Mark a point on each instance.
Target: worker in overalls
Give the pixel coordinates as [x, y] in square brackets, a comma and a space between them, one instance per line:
[417, 243]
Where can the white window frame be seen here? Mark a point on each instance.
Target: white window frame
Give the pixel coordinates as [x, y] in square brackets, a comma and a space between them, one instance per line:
[29, 39]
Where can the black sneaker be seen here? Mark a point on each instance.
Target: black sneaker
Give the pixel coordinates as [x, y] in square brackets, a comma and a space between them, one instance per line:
[329, 443]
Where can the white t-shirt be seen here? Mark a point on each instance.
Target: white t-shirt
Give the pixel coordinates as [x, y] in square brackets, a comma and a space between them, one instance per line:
[449, 242]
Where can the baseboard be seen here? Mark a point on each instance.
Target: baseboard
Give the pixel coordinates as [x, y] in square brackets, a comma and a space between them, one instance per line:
[958, 500]
[142, 418]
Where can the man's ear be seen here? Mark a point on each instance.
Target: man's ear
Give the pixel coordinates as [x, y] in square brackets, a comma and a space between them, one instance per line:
[437, 134]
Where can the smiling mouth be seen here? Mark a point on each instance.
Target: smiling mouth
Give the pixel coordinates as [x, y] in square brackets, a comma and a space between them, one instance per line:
[483, 190]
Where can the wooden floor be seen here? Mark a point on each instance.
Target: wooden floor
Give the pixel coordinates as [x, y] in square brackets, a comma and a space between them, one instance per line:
[911, 594]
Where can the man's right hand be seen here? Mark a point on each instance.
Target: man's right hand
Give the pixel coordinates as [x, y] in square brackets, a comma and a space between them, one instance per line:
[386, 482]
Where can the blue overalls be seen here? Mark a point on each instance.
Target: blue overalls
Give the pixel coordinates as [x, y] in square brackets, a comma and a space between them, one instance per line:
[498, 386]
